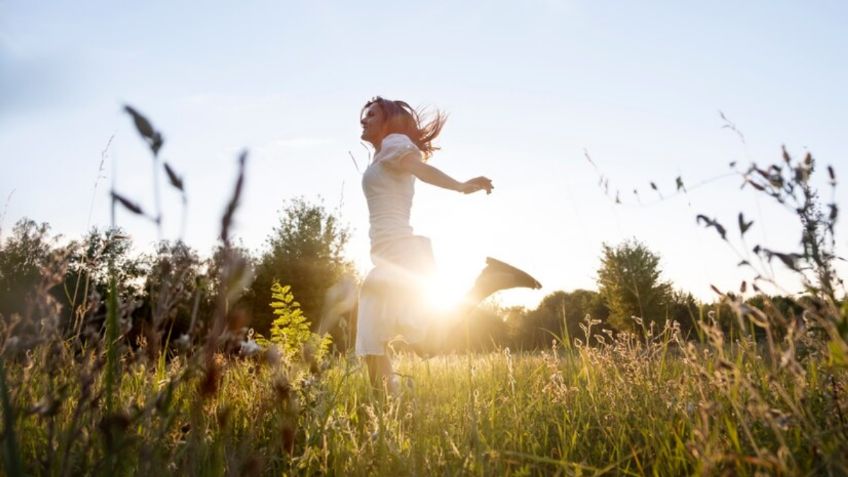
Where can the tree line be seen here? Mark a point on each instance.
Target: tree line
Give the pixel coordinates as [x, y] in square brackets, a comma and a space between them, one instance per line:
[305, 250]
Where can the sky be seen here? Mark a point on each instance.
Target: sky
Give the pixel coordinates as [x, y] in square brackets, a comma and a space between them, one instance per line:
[531, 89]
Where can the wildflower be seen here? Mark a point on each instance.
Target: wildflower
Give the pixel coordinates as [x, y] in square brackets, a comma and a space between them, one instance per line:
[183, 342]
[249, 348]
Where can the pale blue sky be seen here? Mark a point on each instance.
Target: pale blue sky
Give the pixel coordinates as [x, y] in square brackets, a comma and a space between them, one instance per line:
[528, 86]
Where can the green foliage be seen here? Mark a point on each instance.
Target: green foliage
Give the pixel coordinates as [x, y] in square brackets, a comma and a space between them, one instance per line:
[290, 329]
[306, 251]
[32, 266]
[629, 281]
[91, 257]
[22, 258]
[171, 284]
[683, 308]
[216, 265]
[560, 314]
[88, 275]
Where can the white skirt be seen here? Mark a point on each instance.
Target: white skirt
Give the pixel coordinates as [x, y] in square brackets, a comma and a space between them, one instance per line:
[392, 300]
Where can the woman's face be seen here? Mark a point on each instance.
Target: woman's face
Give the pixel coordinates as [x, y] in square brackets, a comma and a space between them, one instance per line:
[373, 122]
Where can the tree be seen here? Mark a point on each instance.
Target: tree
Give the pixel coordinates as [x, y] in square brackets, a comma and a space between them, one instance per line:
[87, 277]
[560, 315]
[171, 289]
[211, 281]
[684, 309]
[629, 281]
[22, 258]
[304, 251]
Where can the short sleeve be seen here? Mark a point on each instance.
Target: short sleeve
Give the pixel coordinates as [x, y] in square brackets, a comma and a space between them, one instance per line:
[397, 146]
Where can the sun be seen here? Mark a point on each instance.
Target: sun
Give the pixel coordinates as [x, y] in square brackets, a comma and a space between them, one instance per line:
[444, 292]
[456, 269]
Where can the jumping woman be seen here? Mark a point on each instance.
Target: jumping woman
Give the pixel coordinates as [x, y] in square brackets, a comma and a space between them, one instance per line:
[391, 300]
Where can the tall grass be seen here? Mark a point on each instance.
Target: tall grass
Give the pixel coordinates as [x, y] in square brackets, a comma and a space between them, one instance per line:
[662, 406]
[767, 399]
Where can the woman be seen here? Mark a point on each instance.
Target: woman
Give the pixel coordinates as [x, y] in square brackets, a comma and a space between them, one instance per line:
[391, 301]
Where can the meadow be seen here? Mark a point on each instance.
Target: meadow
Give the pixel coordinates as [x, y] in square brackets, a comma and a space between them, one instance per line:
[626, 406]
[748, 390]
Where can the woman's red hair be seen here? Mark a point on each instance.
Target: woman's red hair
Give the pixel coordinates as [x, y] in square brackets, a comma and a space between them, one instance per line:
[401, 118]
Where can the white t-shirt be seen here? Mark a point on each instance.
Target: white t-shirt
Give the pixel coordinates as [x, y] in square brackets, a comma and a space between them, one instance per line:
[388, 191]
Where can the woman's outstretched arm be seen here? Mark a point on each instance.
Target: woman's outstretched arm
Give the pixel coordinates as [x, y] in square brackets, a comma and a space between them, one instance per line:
[436, 177]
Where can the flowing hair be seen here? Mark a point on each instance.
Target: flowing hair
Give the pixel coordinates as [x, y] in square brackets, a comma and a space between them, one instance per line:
[402, 118]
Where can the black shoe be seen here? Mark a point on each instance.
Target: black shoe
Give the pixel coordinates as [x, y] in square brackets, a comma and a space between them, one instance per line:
[500, 276]
[520, 277]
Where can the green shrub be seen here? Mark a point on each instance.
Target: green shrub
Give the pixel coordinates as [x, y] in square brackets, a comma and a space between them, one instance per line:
[290, 328]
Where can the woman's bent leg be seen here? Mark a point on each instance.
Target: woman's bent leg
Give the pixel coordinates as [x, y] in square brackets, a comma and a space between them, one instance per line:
[498, 276]
[495, 277]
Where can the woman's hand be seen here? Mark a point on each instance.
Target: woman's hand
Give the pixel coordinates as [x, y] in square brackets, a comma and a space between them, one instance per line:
[478, 183]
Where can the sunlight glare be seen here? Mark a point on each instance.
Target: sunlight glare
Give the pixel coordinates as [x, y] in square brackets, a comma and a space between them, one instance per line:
[445, 291]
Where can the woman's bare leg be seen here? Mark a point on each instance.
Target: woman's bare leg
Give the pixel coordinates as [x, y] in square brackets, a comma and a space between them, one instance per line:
[380, 373]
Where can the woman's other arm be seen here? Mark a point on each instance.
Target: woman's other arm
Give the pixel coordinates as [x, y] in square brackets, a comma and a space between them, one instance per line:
[436, 177]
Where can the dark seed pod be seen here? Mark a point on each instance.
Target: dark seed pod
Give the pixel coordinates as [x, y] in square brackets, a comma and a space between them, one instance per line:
[141, 123]
[173, 178]
[128, 204]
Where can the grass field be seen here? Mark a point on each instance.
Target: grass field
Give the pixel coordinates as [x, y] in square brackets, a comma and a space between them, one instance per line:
[762, 392]
[629, 406]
